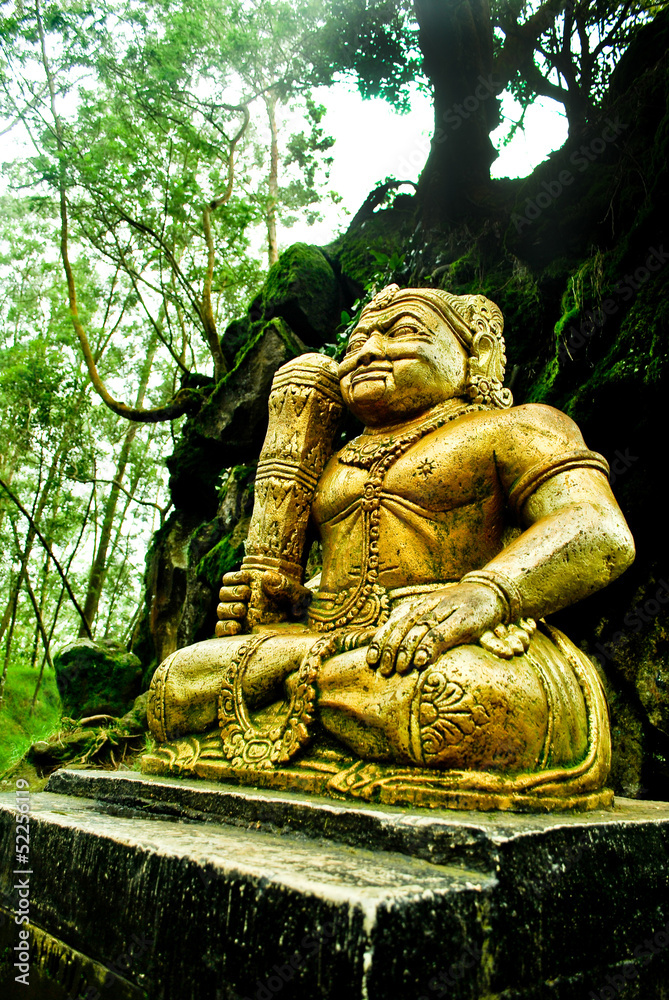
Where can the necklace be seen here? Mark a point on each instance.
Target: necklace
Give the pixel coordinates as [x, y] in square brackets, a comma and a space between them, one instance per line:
[365, 450]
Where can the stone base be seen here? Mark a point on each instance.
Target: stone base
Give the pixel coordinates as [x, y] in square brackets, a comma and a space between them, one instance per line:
[167, 889]
[325, 769]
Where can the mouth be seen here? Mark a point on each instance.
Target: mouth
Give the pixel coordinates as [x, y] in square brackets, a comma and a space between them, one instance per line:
[370, 374]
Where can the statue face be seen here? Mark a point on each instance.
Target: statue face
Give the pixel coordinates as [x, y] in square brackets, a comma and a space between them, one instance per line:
[399, 364]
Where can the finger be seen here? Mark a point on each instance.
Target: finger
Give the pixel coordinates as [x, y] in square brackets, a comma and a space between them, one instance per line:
[383, 649]
[519, 639]
[280, 585]
[288, 590]
[231, 611]
[514, 644]
[452, 631]
[405, 654]
[493, 644]
[381, 636]
[420, 622]
[237, 577]
[227, 628]
[232, 594]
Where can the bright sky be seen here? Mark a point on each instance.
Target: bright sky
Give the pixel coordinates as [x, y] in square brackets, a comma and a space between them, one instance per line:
[374, 142]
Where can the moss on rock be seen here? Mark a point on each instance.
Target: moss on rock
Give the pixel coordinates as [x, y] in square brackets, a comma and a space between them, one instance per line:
[303, 289]
[97, 678]
[225, 556]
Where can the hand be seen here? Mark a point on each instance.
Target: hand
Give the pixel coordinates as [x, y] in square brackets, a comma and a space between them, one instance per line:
[235, 594]
[508, 641]
[416, 637]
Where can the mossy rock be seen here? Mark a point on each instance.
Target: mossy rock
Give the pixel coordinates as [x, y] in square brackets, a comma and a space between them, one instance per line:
[97, 678]
[225, 556]
[303, 289]
[387, 231]
[230, 428]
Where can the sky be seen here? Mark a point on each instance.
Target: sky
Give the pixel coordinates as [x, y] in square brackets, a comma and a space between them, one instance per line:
[372, 142]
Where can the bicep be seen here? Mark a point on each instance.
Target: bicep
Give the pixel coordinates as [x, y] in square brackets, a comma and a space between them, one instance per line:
[569, 489]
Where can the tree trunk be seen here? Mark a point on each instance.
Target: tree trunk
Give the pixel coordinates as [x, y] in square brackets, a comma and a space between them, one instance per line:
[38, 510]
[8, 646]
[456, 41]
[273, 180]
[98, 571]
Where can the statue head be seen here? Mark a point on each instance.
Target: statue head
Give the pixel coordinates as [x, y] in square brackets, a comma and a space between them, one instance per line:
[416, 347]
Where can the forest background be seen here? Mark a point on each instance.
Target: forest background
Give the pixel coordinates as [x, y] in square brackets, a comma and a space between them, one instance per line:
[148, 290]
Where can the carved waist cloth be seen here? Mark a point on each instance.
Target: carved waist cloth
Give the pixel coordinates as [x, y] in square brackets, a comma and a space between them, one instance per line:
[375, 610]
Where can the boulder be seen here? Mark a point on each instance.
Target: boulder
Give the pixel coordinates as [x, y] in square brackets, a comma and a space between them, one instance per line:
[97, 678]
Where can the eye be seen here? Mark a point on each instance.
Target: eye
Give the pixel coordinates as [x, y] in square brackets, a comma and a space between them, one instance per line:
[410, 331]
[355, 344]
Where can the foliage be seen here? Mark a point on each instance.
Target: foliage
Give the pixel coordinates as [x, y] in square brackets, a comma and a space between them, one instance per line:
[376, 43]
[164, 136]
[19, 727]
[576, 46]
[162, 139]
[59, 459]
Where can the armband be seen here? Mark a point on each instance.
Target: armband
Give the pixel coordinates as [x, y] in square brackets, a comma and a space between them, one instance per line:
[538, 474]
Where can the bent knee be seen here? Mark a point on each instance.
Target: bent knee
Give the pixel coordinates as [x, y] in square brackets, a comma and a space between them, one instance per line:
[184, 690]
[473, 710]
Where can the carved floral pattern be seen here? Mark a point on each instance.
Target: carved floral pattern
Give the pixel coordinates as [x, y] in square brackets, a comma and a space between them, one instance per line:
[446, 713]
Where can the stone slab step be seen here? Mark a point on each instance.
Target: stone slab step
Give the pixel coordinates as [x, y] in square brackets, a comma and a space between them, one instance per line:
[184, 890]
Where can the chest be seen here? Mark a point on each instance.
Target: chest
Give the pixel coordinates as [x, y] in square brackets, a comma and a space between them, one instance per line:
[439, 473]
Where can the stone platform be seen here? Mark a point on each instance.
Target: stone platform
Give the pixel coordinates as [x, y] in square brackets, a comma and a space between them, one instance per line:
[167, 889]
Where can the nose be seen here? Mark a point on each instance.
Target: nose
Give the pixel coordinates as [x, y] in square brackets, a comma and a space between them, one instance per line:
[374, 349]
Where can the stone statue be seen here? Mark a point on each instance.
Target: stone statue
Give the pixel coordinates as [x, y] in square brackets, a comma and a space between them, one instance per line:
[423, 671]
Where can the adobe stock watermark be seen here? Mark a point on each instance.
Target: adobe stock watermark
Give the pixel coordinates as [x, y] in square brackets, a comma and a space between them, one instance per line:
[581, 159]
[624, 290]
[634, 620]
[644, 952]
[452, 119]
[440, 984]
[23, 871]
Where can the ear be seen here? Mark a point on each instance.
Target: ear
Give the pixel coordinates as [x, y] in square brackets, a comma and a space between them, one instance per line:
[486, 371]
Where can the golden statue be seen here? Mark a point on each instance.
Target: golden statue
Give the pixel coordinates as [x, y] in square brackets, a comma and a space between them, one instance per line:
[418, 669]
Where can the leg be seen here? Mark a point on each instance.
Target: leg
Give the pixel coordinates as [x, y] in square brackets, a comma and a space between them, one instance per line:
[183, 697]
[469, 711]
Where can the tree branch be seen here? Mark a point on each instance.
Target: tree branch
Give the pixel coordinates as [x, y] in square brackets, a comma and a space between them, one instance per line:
[211, 332]
[185, 401]
[49, 550]
[520, 40]
[114, 482]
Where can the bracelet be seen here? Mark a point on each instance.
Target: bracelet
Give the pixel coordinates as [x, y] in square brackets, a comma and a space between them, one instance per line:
[505, 589]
